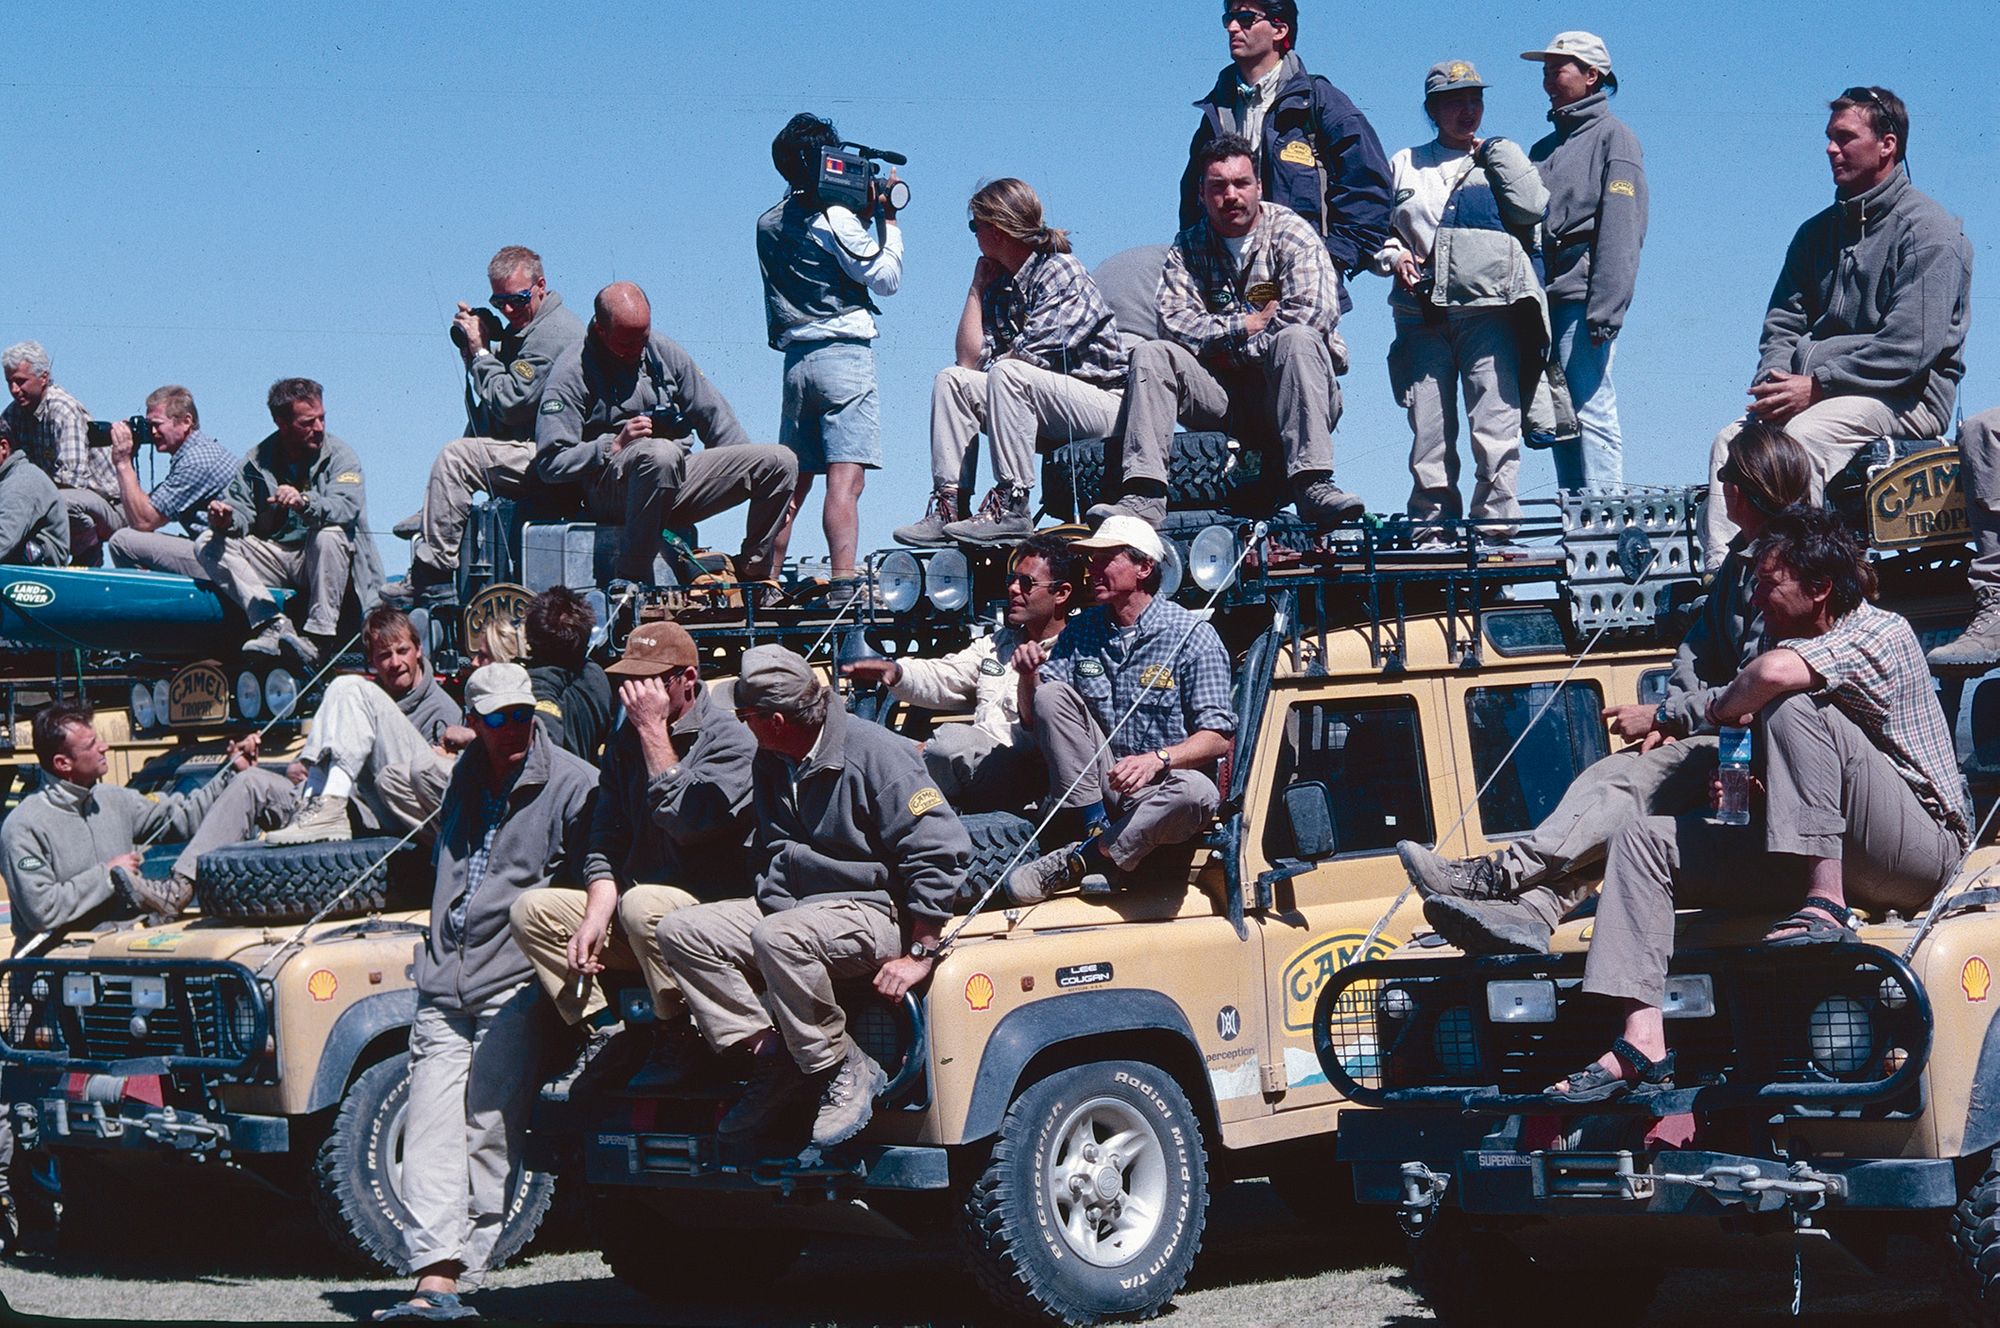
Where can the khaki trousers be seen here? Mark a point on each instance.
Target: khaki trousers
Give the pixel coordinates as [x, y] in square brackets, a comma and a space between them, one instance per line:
[1017, 404]
[977, 772]
[256, 799]
[1831, 432]
[93, 518]
[1979, 462]
[655, 484]
[1474, 353]
[245, 567]
[1829, 793]
[716, 950]
[155, 551]
[473, 1079]
[464, 467]
[544, 920]
[365, 733]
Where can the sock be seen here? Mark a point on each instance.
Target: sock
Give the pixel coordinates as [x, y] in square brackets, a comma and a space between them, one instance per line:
[338, 782]
[1092, 854]
[1095, 819]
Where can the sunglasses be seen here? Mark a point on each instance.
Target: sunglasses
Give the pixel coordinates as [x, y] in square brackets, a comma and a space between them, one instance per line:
[513, 299]
[972, 224]
[1243, 18]
[1028, 583]
[500, 719]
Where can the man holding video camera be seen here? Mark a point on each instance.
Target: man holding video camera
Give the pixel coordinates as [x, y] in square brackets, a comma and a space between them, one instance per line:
[507, 364]
[612, 430]
[821, 263]
[53, 428]
[199, 470]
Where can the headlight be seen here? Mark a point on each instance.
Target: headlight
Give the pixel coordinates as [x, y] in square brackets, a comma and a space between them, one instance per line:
[1397, 1003]
[948, 580]
[1892, 995]
[899, 579]
[1453, 1040]
[161, 695]
[249, 695]
[1529, 1002]
[1689, 996]
[1212, 558]
[1841, 1034]
[79, 989]
[239, 1018]
[1171, 569]
[281, 691]
[143, 714]
[149, 993]
[600, 631]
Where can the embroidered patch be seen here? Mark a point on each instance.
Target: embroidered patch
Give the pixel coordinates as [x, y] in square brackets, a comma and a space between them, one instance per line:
[1403, 196]
[1157, 676]
[552, 406]
[1261, 293]
[1089, 668]
[348, 477]
[548, 708]
[1299, 153]
[523, 371]
[1622, 187]
[28, 862]
[924, 799]
[1457, 69]
[991, 666]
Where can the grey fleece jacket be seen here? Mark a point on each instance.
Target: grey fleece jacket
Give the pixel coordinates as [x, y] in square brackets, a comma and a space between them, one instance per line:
[31, 508]
[1727, 633]
[589, 395]
[503, 388]
[541, 841]
[57, 842]
[1874, 299]
[1596, 220]
[860, 819]
[335, 496]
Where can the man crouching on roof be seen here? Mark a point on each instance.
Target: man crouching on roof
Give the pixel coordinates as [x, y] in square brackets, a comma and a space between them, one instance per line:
[1155, 678]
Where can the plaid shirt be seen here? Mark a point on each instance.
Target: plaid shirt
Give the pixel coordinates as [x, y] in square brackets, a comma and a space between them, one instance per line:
[1204, 294]
[1182, 675]
[201, 469]
[53, 436]
[492, 812]
[1051, 315]
[1876, 674]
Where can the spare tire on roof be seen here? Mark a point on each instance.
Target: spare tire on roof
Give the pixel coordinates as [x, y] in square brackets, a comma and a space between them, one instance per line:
[258, 882]
[1203, 471]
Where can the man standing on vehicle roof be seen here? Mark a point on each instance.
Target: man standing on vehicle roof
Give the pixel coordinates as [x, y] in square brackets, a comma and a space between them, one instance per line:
[34, 524]
[1865, 336]
[1510, 900]
[669, 829]
[516, 817]
[599, 434]
[1315, 152]
[72, 847]
[200, 469]
[504, 379]
[1860, 787]
[1249, 300]
[49, 424]
[1154, 678]
[1978, 647]
[861, 859]
[1591, 234]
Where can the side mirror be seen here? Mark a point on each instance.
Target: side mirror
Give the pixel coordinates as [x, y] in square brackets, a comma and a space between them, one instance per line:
[1309, 808]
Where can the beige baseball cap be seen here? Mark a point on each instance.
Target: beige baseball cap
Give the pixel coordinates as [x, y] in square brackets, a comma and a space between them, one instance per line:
[1450, 76]
[655, 648]
[1122, 530]
[1585, 48]
[773, 678]
[497, 686]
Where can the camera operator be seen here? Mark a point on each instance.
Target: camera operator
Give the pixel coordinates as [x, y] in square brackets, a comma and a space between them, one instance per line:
[507, 363]
[52, 427]
[820, 262]
[200, 469]
[612, 430]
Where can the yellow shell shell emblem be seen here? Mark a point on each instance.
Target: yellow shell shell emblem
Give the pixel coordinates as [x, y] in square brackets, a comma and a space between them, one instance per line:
[322, 984]
[979, 992]
[1976, 978]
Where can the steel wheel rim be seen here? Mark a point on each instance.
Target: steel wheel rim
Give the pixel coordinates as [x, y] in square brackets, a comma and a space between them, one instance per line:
[1106, 1181]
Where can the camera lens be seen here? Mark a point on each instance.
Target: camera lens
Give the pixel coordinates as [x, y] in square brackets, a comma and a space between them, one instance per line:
[898, 194]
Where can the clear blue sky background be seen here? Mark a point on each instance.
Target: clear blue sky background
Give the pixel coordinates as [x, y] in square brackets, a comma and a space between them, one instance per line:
[222, 195]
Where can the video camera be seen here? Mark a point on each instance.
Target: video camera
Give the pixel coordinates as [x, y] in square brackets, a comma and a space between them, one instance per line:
[98, 432]
[490, 327]
[852, 176]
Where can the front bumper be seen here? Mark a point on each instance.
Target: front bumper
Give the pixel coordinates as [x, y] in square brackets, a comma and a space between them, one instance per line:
[91, 1121]
[693, 1161]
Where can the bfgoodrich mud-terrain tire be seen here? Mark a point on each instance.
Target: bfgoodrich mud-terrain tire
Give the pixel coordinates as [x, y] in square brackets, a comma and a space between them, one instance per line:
[357, 1174]
[1092, 1204]
[259, 882]
[996, 838]
[1975, 1248]
[664, 1252]
[1200, 473]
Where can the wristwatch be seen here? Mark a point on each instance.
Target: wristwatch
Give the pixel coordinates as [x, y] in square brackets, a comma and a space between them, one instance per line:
[918, 950]
[1166, 759]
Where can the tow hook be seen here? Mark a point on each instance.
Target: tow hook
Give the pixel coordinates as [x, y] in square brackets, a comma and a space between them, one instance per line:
[1422, 1191]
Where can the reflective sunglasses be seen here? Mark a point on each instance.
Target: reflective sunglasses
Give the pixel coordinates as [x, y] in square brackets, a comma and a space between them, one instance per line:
[513, 299]
[1243, 18]
[1028, 583]
[500, 719]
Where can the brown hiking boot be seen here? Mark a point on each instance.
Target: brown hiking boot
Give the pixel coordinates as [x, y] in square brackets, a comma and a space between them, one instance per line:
[928, 533]
[1437, 876]
[847, 1102]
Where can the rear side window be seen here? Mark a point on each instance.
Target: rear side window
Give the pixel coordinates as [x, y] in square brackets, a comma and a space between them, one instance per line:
[1568, 738]
[1370, 757]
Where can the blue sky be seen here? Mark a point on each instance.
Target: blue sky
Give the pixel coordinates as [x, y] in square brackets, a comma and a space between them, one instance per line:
[226, 194]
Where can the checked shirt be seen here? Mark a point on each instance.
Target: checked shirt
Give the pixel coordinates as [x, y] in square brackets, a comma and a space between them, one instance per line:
[53, 437]
[1205, 293]
[200, 470]
[1050, 314]
[1179, 691]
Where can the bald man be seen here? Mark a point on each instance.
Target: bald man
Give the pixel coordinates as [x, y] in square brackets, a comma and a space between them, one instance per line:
[613, 430]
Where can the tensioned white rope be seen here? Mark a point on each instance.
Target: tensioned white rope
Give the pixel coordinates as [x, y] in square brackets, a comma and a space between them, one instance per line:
[299, 936]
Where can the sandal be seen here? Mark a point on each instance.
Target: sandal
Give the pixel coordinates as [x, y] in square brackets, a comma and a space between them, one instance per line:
[434, 1306]
[1815, 922]
[1597, 1084]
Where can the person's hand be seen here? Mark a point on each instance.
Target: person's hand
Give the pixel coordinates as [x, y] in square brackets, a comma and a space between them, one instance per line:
[220, 516]
[1029, 656]
[1408, 271]
[1715, 792]
[1135, 772]
[630, 432]
[243, 752]
[899, 975]
[645, 702]
[474, 331]
[985, 272]
[881, 192]
[122, 444]
[873, 672]
[587, 942]
[1636, 723]
[455, 738]
[1781, 396]
[1258, 319]
[289, 498]
[129, 861]
[296, 772]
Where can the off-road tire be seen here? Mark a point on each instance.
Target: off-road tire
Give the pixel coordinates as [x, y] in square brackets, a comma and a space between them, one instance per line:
[1975, 1248]
[258, 882]
[1012, 1229]
[1199, 474]
[1478, 1277]
[670, 1260]
[996, 838]
[353, 1181]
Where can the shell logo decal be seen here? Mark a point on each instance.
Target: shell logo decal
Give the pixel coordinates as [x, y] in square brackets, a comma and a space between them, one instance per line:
[979, 992]
[322, 984]
[1976, 978]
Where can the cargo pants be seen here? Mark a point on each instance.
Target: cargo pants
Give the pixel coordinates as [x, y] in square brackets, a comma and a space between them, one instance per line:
[718, 953]
[1474, 354]
[1016, 404]
[464, 467]
[544, 920]
[244, 568]
[977, 772]
[655, 483]
[1979, 470]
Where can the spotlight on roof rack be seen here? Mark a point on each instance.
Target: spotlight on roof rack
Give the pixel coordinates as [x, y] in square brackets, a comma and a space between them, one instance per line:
[1172, 569]
[899, 580]
[1212, 558]
[948, 580]
[161, 695]
[249, 695]
[600, 608]
[281, 692]
[143, 714]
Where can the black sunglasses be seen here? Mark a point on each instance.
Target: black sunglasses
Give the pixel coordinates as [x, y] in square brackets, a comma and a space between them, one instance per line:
[1028, 583]
[1243, 18]
[513, 299]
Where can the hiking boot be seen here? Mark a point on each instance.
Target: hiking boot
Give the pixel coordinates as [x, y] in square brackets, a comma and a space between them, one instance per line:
[1002, 519]
[425, 584]
[679, 1059]
[410, 526]
[1148, 509]
[145, 895]
[1488, 926]
[928, 533]
[852, 594]
[848, 1100]
[1978, 646]
[322, 820]
[1323, 504]
[776, 1084]
[1437, 876]
[1032, 882]
[278, 636]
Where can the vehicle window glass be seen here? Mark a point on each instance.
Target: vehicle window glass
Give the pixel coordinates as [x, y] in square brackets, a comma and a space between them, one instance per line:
[1568, 738]
[1370, 757]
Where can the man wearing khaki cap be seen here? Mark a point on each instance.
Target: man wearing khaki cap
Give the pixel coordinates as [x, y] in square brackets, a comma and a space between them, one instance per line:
[1152, 676]
[668, 830]
[861, 857]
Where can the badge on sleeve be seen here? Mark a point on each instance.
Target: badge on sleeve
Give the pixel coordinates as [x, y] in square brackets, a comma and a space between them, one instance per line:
[523, 371]
[991, 666]
[924, 799]
[548, 707]
[348, 477]
[1622, 187]
[28, 862]
[1299, 153]
[1090, 668]
[553, 406]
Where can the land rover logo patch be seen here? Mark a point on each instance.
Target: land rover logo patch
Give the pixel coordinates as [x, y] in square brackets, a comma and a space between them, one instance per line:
[28, 862]
[991, 666]
[924, 799]
[553, 406]
[1089, 668]
[29, 595]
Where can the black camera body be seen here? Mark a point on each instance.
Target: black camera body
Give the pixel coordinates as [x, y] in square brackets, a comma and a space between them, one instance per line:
[852, 176]
[490, 327]
[98, 432]
[669, 421]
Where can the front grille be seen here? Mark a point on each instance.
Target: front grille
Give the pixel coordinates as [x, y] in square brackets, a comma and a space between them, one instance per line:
[206, 1016]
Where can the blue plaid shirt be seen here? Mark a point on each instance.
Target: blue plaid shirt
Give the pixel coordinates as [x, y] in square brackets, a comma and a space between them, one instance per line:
[1182, 675]
[200, 470]
[492, 811]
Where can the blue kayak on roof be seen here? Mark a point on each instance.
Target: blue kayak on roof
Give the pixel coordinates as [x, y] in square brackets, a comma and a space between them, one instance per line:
[115, 609]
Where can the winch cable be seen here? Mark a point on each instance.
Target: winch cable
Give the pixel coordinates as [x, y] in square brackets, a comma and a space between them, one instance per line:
[298, 938]
[1375, 932]
[1945, 893]
[1256, 539]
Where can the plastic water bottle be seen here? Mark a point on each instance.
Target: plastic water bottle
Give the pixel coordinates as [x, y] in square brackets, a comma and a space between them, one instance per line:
[1734, 774]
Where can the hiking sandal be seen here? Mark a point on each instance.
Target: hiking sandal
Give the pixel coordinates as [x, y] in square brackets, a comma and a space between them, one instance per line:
[1597, 1084]
[1815, 922]
[427, 1306]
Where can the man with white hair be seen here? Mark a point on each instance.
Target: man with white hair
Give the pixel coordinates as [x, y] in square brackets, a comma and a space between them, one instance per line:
[49, 424]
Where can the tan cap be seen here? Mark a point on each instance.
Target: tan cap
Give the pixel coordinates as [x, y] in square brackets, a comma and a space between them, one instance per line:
[497, 686]
[1586, 48]
[1450, 76]
[1122, 530]
[773, 678]
[655, 648]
